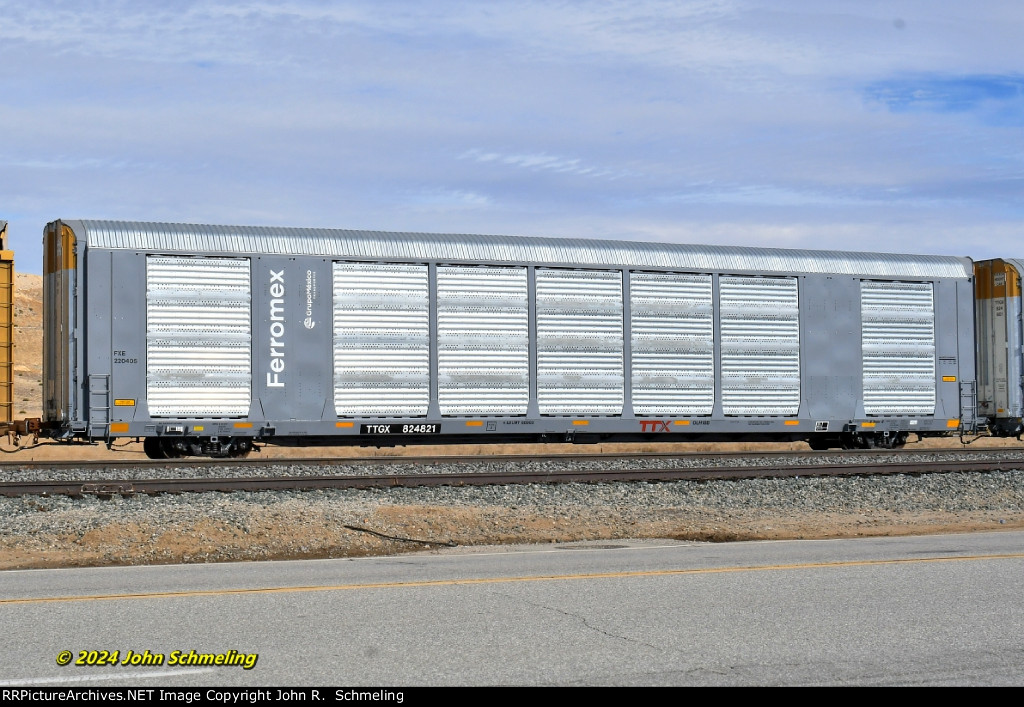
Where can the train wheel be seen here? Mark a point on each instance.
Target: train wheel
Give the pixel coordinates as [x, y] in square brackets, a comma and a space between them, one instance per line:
[240, 448]
[171, 450]
[855, 440]
[153, 449]
[896, 440]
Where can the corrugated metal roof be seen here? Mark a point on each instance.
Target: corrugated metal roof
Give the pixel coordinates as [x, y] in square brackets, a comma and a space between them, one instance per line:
[1019, 264]
[462, 248]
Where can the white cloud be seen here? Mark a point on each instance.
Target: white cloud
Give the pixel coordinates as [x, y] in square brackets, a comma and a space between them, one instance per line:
[544, 162]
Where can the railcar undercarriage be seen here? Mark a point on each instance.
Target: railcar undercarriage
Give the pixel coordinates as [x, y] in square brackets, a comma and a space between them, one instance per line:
[860, 440]
[217, 447]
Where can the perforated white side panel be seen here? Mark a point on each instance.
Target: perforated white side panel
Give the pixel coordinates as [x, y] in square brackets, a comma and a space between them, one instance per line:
[381, 339]
[483, 340]
[760, 322]
[898, 347]
[198, 337]
[672, 333]
[579, 342]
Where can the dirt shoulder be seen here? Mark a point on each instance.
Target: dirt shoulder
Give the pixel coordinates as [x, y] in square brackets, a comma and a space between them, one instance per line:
[314, 525]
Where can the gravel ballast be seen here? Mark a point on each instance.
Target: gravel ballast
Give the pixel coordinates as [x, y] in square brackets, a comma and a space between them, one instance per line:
[216, 527]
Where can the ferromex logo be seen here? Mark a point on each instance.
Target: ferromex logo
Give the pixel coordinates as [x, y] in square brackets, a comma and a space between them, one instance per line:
[310, 298]
[276, 330]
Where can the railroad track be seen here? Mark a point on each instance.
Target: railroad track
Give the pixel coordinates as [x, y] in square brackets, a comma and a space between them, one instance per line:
[14, 462]
[305, 482]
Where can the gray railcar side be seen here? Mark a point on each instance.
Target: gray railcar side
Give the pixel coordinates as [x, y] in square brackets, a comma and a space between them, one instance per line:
[206, 339]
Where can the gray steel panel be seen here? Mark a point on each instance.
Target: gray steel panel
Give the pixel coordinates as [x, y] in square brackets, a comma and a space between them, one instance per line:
[579, 342]
[98, 349]
[198, 337]
[125, 340]
[898, 345]
[760, 340]
[483, 340]
[463, 248]
[830, 357]
[1015, 349]
[672, 340]
[381, 339]
[1014, 363]
[293, 361]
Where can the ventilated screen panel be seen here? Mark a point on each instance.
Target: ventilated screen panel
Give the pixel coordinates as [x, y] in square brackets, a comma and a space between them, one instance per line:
[381, 339]
[898, 347]
[760, 323]
[672, 337]
[483, 340]
[198, 337]
[579, 342]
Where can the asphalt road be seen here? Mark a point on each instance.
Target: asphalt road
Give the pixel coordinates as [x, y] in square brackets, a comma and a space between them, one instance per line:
[934, 610]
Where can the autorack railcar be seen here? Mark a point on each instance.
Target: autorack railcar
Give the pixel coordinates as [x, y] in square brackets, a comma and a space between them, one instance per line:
[208, 340]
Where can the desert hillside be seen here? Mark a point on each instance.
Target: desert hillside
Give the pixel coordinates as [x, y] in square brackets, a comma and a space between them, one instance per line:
[28, 345]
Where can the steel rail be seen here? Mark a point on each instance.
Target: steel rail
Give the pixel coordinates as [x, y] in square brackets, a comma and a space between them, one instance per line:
[483, 458]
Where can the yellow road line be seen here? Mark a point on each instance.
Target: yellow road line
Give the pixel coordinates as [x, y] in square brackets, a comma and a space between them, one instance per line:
[504, 580]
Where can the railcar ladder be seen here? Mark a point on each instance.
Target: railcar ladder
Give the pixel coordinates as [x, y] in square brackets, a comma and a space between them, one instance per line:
[99, 404]
[968, 408]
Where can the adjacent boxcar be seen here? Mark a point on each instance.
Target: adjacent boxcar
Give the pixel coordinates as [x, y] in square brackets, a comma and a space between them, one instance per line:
[1000, 389]
[208, 339]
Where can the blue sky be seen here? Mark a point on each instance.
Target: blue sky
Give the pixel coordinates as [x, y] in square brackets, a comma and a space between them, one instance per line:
[895, 126]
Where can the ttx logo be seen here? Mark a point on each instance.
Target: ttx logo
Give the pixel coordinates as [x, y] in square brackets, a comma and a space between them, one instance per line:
[654, 425]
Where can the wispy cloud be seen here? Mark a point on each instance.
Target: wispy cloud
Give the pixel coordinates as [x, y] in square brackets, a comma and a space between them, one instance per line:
[65, 163]
[445, 200]
[543, 162]
[767, 195]
[998, 98]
